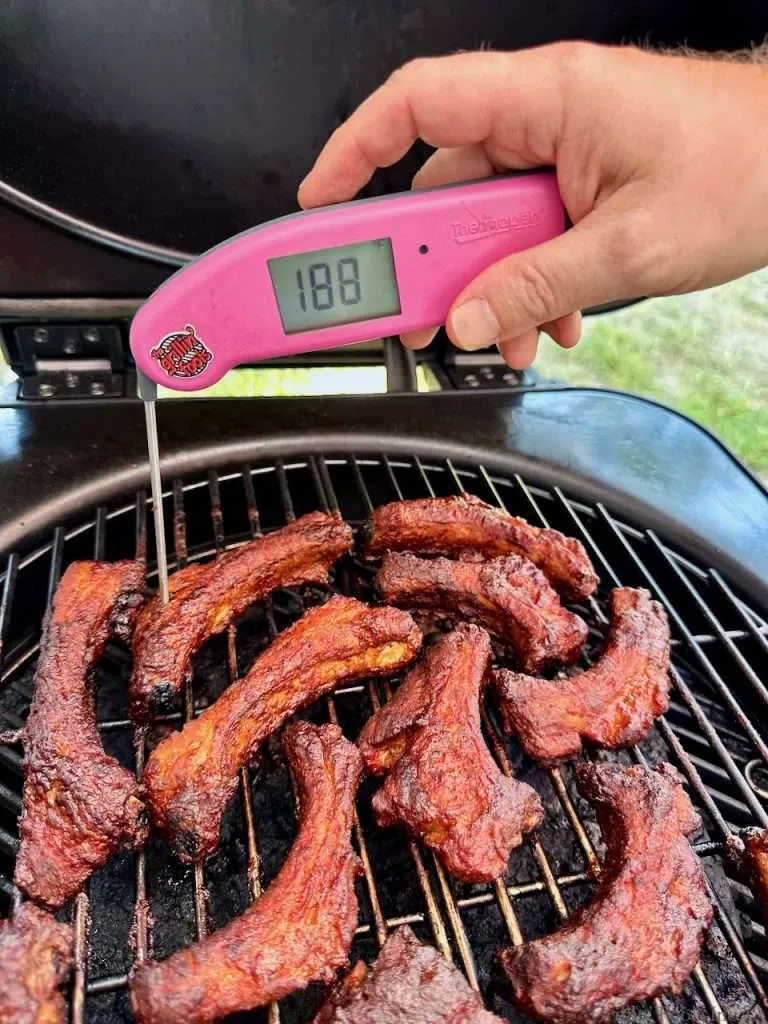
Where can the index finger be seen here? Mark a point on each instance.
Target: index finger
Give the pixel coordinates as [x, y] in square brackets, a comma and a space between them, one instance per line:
[483, 97]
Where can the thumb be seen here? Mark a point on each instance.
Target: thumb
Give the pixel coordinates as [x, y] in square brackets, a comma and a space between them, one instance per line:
[580, 268]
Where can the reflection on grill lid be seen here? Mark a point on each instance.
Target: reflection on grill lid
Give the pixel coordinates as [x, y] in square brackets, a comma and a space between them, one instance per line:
[720, 655]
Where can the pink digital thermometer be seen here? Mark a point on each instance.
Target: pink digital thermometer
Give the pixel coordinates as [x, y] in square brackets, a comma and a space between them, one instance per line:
[337, 275]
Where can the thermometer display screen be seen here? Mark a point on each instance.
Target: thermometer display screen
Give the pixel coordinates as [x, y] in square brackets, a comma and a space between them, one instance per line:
[342, 285]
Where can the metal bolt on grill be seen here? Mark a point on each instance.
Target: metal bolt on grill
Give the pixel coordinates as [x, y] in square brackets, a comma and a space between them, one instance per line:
[145, 903]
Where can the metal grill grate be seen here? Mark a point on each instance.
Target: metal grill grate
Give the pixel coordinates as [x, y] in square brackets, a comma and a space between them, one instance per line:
[145, 902]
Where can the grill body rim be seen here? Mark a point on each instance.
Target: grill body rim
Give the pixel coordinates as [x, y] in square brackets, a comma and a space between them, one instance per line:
[108, 487]
[55, 460]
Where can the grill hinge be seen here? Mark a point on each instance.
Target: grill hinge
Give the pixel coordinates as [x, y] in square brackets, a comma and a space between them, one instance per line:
[67, 359]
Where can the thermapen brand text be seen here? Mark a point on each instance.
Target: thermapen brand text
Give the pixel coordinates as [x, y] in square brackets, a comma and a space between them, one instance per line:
[481, 227]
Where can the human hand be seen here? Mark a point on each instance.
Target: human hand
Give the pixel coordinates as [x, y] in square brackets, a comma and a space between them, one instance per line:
[662, 163]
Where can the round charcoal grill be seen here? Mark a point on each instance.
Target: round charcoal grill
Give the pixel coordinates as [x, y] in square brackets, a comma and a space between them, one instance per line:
[145, 902]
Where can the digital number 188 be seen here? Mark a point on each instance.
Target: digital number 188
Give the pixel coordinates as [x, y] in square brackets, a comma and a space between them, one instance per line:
[323, 292]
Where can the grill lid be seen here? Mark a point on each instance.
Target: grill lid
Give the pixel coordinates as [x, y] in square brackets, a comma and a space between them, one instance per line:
[146, 902]
[204, 120]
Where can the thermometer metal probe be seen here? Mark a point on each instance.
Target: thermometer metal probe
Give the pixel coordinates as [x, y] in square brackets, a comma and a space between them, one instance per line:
[148, 394]
[322, 278]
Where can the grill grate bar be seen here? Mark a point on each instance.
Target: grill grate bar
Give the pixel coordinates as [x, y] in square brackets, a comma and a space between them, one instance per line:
[8, 842]
[760, 633]
[6, 601]
[9, 799]
[17, 659]
[595, 552]
[81, 914]
[694, 779]
[112, 983]
[10, 759]
[683, 689]
[115, 724]
[81, 923]
[713, 1004]
[659, 1010]
[757, 685]
[370, 882]
[448, 899]
[252, 847]
[545, 869]
[54, 573]
[703, 794]
[141, 903]
[181, 551]
[679, 713]
[417, 854]
[662, 725]
[593, 863]
[433, 914]
[733, 939]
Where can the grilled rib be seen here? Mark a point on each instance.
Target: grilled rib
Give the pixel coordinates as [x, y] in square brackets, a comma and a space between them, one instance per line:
[35, 960]
[464, 524]
[409, 984]
[79, 805]
[748, 853]
[191, 775]
[643, 931]
[206, 598]
[613, 704]
[508, 596]
[443, 785]
[300, 930]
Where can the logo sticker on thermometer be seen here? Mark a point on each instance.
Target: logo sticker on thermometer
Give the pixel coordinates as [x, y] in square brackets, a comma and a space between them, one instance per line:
[182, 354]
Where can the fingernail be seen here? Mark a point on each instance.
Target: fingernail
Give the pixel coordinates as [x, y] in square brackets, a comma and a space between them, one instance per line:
[474, 325]
[418, 339]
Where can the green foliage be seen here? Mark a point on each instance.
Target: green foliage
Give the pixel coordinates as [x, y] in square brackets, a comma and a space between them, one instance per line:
[705, 354]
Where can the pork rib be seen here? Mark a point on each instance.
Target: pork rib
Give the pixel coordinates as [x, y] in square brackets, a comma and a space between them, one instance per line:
[642, 933]
[35, 961]
[509, 596]
[409, 984]
[443, 785]
[300, 930]
[79, 806]
[613, 704]
[206, 598]
[464, 525]
[191, 775]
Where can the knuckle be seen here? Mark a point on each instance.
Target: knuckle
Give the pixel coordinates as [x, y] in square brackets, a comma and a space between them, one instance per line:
[407, 72]
[576, 57]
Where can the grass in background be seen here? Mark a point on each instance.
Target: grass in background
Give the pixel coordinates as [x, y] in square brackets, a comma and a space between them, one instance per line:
[282, 381]
[705, 354]
[285, 382]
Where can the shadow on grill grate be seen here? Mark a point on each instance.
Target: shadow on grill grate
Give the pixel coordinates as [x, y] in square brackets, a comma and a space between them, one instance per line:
[149, 903]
